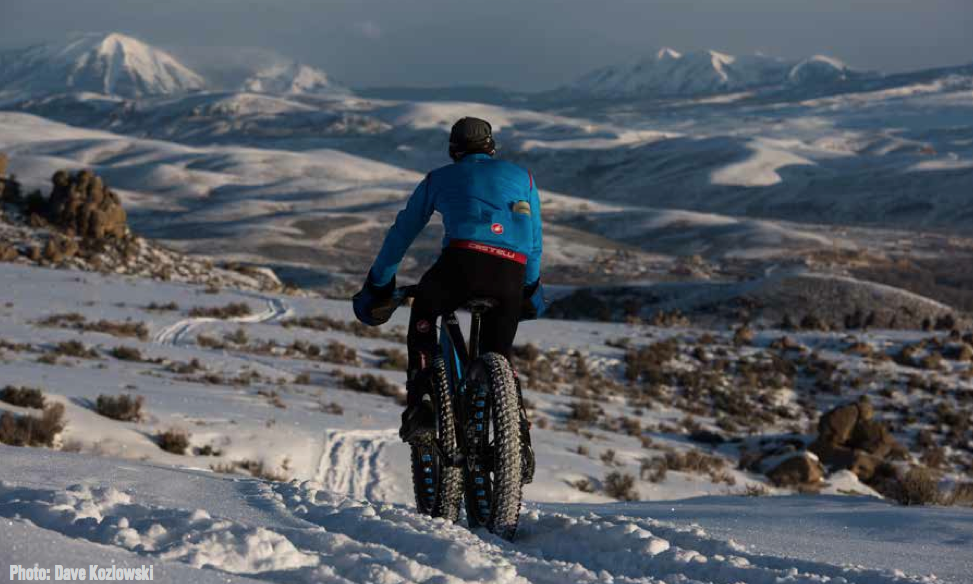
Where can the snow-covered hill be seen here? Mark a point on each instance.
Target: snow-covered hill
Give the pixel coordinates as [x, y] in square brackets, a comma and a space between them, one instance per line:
[669, 73]
[111, 63]
[249, 407]
[292, 78]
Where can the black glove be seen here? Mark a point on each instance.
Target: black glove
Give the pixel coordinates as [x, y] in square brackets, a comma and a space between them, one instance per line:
[372, 305]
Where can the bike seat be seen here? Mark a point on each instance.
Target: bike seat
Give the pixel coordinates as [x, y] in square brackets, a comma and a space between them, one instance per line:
[480, 305]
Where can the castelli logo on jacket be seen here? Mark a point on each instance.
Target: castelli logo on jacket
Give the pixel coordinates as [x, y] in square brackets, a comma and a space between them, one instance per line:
[497, 228]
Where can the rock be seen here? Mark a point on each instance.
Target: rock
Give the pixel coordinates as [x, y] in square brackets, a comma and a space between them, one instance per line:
[8, 253]
[850, 438]
[81, 204]
[864, 465]
[52, 253]
[832, 455]
[59, 249]
[837, 425]
[866, 411]
[872, 437]
[802, 469]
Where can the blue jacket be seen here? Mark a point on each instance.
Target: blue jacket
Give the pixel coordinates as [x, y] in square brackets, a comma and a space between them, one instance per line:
[475, 197]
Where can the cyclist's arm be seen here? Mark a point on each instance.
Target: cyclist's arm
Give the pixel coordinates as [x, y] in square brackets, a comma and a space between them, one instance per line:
[533, 273]
[408, 223]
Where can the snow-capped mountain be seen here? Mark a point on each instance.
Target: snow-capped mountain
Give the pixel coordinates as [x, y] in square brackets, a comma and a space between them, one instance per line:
[819, 69]
[670, 73]
[112, 64]
[292, 79]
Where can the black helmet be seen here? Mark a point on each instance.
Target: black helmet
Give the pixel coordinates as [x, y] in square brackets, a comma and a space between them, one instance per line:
[471, 135]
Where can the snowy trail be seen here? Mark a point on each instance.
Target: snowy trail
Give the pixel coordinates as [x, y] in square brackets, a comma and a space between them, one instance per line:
[303, 532]
[175, 334]
[354, 463]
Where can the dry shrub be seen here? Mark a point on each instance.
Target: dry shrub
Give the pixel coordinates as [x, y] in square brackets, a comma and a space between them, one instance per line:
[231, 310]
[185, 368]
[167, 307]
[647, 363]
[368, 383]
[259, 470]
[653, 469]
[341, 354]
[583, 485]
[123, 408]
[76, 321]
[303, 379]
[23, 397]
[961, 495]
[918, 487]
[126, 354]
[333, 408]
[237, 337]
[326, 323]
[75, 349]
[621, 486]
[392, 359]
[31, 430]
[755, 490]
[208, 450]
[274, 398]
[174, 441]
[608, 457]
[584, 411]
[208, 342]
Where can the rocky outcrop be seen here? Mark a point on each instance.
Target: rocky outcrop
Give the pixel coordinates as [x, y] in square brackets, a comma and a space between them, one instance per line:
[850, 438]
[81, 205]
[799, 470]
[82, 226]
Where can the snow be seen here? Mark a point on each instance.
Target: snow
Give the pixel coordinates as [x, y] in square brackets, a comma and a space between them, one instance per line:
[670, 73]
[346, 516]
[760, 169]
[298, 532]
[111, 63]
[292, 78]
[295, 161]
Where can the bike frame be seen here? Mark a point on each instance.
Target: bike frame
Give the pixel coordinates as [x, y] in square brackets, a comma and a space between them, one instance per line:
[458, 355]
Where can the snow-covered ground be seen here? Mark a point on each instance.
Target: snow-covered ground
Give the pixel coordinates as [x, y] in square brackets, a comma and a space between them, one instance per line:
[293, 475]
[60, 506]
[347, 515]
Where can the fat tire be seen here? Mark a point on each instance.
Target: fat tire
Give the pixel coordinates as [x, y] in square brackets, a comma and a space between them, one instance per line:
[443, 495]
[493, 478]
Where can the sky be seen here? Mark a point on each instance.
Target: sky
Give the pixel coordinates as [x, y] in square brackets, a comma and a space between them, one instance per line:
[515, 44]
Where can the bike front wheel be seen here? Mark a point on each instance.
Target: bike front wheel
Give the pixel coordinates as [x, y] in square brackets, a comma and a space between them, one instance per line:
[492, 430]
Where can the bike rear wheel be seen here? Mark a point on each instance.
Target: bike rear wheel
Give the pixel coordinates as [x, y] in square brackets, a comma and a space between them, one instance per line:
[437, 483]
[492, 429]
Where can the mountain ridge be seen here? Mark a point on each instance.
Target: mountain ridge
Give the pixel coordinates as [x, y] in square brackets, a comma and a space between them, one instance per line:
[106, 63]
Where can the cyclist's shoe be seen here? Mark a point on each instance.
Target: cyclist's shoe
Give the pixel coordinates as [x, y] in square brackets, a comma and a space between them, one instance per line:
[418, 423]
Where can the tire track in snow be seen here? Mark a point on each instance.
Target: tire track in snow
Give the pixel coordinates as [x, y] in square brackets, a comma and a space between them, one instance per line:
[175, 334]
[353, 463]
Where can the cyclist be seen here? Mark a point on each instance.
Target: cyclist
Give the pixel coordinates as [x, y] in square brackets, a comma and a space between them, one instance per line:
[491, 213]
